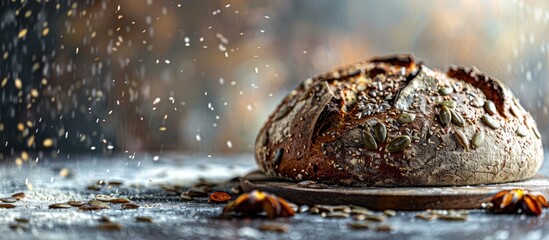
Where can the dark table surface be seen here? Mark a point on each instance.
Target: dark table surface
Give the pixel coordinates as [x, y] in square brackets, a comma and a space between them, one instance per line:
[175, 219]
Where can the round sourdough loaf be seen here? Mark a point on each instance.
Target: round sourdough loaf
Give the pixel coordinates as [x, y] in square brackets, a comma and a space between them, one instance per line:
[394, 122]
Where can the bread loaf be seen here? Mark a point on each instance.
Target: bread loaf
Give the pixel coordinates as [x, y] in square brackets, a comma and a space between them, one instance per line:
[394, 122]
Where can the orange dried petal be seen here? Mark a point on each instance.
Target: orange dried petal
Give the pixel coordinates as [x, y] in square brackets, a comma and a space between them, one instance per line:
[533, 206]
[541, 199]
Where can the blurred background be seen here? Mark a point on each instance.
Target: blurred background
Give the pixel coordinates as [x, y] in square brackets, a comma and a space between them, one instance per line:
[128, 76]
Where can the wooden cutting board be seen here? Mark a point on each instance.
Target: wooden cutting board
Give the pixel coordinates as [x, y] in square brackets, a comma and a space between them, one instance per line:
[398, 198]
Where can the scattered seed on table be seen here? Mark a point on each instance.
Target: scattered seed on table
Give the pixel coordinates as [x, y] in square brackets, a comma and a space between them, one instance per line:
[98, 203]
[19, 226]
[21, 220]
[389, 213]
[110, 226]
[8, 200]
[335, 215]
[90, 208]
[75, 203]
[120, 200]
[186, 197]
[115, 183]
[19, 195]
[104, 219]
[274, 227]
[103, 198]
[144, 219]
[376, 218]
[359, 225]
[59, 206]
[384, 228]
[130, 206]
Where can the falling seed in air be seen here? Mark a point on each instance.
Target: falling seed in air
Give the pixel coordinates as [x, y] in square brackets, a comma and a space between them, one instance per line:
[256, 70]
[157, 100]
[22, 33]
[48, 142]
[162, 129]
[92, 148]
[167, 61]
[198, 138]
[45, 31]
[229, 144]
[18, 83]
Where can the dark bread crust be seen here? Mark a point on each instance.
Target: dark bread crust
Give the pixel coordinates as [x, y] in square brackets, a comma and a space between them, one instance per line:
[324, 129]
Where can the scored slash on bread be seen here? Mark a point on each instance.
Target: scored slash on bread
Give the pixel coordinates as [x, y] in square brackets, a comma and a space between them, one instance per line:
[394, 122]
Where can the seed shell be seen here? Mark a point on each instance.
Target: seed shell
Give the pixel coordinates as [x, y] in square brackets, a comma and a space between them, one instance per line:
[380, 132]
[7, 205]
[490, 107]
[457, 119]
[399, 143]
[449, 104]
[219, 197]
[19, 195]
[130, 206]
[144, 219]
[445, 116]
[59, 206]
[462, 139]
[110, 226]
[278, 156]
[274, 227]
[491, 122]
[369, 141]
[478, 139]
[406, 118]
[359, 225]
[445, 90]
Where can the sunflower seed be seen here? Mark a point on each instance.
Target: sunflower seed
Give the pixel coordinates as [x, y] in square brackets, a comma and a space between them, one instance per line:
[97, 203]
[445, 90]
[90, 208]
[110, 227]
[462, 139]
[384, 228]
[490, 107]
[406, 118]
[75, 203]
[399, 143]
[375, 218]
[19, 226]
[22, 220]
[449, 217]
[389, 213]
[380, 132]
[8, 200]
[274, 227]
[59, 206]
[478, 139]
[359, 225]
[115, 182]
[491, 122]
[304, 208]
[449, 104]
[93, 187]
[312, 185]
[457, 119]
[361, 211]
[369, 141]
[103, 198]
[19, 195]
[445, 116]
[477, 102]
[278, 156]
[7, 205]
[120, 200]
[104, 219]
[143, 219]
[522, 131]
[516, 111]
[196, 192]
[335, 215]
[130, 206]
[186, 197]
